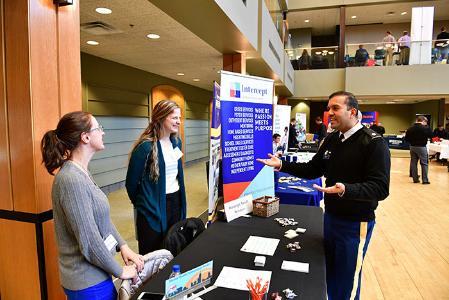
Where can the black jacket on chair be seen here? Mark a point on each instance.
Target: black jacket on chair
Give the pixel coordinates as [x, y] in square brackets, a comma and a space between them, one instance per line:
[182, 233]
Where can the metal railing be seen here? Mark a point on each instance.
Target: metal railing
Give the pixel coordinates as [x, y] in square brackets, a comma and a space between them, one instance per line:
[313, 58]
[398, 53]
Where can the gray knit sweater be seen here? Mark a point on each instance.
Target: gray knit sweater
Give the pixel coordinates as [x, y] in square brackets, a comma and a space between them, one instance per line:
[82, 222]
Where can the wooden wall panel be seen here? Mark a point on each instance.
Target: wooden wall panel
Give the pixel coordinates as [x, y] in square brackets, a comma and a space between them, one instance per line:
[18, 103]
[45, 93]
[18, 261]
[54, 288]
[163, 92]
[5, 181]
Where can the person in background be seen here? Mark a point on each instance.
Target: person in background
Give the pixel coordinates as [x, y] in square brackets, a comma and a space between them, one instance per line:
[417, 136]
[356, 163]
[404, 47]
[284, 139]
[321, 130]
[377, 127]
[442, 44]
[440, 132]
[277, 146]
[361, 56]
[87, 240]
[305, 62]
[292, 134]
[388, 42]
[155, 178]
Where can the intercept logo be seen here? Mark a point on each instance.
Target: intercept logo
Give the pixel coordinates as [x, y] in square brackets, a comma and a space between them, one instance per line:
[235, 90]
[238, 90]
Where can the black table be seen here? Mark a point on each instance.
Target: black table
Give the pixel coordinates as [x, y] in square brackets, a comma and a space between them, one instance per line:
[222, 241]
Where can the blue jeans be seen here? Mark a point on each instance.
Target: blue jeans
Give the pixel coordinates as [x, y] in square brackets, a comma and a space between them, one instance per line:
[345, 246]
[102, 291]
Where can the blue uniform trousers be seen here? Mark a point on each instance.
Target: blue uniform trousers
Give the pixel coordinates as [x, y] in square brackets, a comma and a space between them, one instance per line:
[102, 291]
[345, 245]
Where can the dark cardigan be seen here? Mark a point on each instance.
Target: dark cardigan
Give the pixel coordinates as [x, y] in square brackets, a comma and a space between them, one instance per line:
[148, 196]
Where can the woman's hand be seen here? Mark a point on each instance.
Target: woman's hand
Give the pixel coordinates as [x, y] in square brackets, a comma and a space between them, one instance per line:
[130, 257]
[129, 272]
[274, 161]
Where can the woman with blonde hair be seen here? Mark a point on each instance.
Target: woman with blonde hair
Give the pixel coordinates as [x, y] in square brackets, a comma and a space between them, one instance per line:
[155, 178]
[87, 240]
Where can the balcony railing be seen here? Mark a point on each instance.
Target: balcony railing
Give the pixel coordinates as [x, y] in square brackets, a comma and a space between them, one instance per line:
[371, 54]
[313, 58]
[394, 54]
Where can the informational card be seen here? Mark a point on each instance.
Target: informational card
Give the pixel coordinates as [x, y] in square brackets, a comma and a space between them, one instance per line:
[238, 207]
[260, 245]
[235, 278]
[189, 281]
[295, 266]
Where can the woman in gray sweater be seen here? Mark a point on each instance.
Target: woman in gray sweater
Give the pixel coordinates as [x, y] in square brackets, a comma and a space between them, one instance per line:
[87, 239]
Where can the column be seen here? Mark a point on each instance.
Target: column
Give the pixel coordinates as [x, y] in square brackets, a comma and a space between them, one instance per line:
[40, 81]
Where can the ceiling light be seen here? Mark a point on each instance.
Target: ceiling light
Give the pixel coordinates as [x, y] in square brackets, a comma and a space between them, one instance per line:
[180, 74]
[390, 102]
[153, 36]
[403, 13]
[331, 52]
[196, 79]
[390, 13]
[318, 52]
[307, 21]
[354, 17]
[103, 10]
[93, 43]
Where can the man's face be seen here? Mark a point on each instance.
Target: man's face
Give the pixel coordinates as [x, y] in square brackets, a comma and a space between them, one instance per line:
[339, 115]
[277, 140]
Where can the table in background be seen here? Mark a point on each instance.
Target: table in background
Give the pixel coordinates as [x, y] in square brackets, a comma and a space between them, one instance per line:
[440, 147]
[293, 196]
[396, 142]
[221, 242]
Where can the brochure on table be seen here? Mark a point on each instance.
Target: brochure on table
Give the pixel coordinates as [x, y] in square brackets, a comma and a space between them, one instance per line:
[247, 127]
[215, 153]
[189, 281]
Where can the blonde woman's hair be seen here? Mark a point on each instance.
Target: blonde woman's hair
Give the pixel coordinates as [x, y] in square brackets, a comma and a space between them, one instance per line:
[153, 133]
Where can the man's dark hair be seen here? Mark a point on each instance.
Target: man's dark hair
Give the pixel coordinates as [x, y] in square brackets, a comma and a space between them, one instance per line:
[421, 119]
[318, 119]
[388, 32]
[351, 101]
[276, 135]
[292, 119]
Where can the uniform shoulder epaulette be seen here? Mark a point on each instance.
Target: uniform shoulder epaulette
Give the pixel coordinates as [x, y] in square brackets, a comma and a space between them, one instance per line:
[371, 133]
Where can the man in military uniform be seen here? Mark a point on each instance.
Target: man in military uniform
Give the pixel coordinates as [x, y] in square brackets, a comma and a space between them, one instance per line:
[356, 163]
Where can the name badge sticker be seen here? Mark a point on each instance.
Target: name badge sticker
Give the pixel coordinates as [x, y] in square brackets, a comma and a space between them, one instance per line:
[110, 242]
[178, 153]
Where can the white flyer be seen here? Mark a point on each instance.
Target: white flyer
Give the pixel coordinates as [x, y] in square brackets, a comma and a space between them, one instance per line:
[260, 245]
[235, 278]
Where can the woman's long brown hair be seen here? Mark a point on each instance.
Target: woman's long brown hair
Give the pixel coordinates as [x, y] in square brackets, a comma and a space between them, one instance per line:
[153, 133]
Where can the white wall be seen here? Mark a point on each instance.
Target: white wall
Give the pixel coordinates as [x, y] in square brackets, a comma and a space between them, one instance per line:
[271, 48]
[243, 16]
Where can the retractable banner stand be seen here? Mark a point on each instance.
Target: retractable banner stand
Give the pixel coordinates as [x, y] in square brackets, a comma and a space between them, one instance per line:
[247, 127]
[369, 117]
[215, 152]
[281, 123]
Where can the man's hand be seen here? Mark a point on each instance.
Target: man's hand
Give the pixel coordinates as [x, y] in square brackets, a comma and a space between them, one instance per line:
[272, 162]
[338, 188]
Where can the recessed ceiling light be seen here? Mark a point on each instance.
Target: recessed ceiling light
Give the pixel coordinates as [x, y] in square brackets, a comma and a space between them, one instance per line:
[307, 21]
[93, 43]
[153, 36]
[390, 13]
[354, 17]
[103, 10]
[331, 52]
[318, 52]
[403, 13]
[180, 74]
[196, 79]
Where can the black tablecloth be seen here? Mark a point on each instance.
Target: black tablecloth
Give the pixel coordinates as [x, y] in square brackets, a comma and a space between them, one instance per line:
[222, 241]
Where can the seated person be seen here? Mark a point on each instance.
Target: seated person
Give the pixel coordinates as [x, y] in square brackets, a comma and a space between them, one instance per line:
[361, 56]
[440, 132]
[278, 149]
